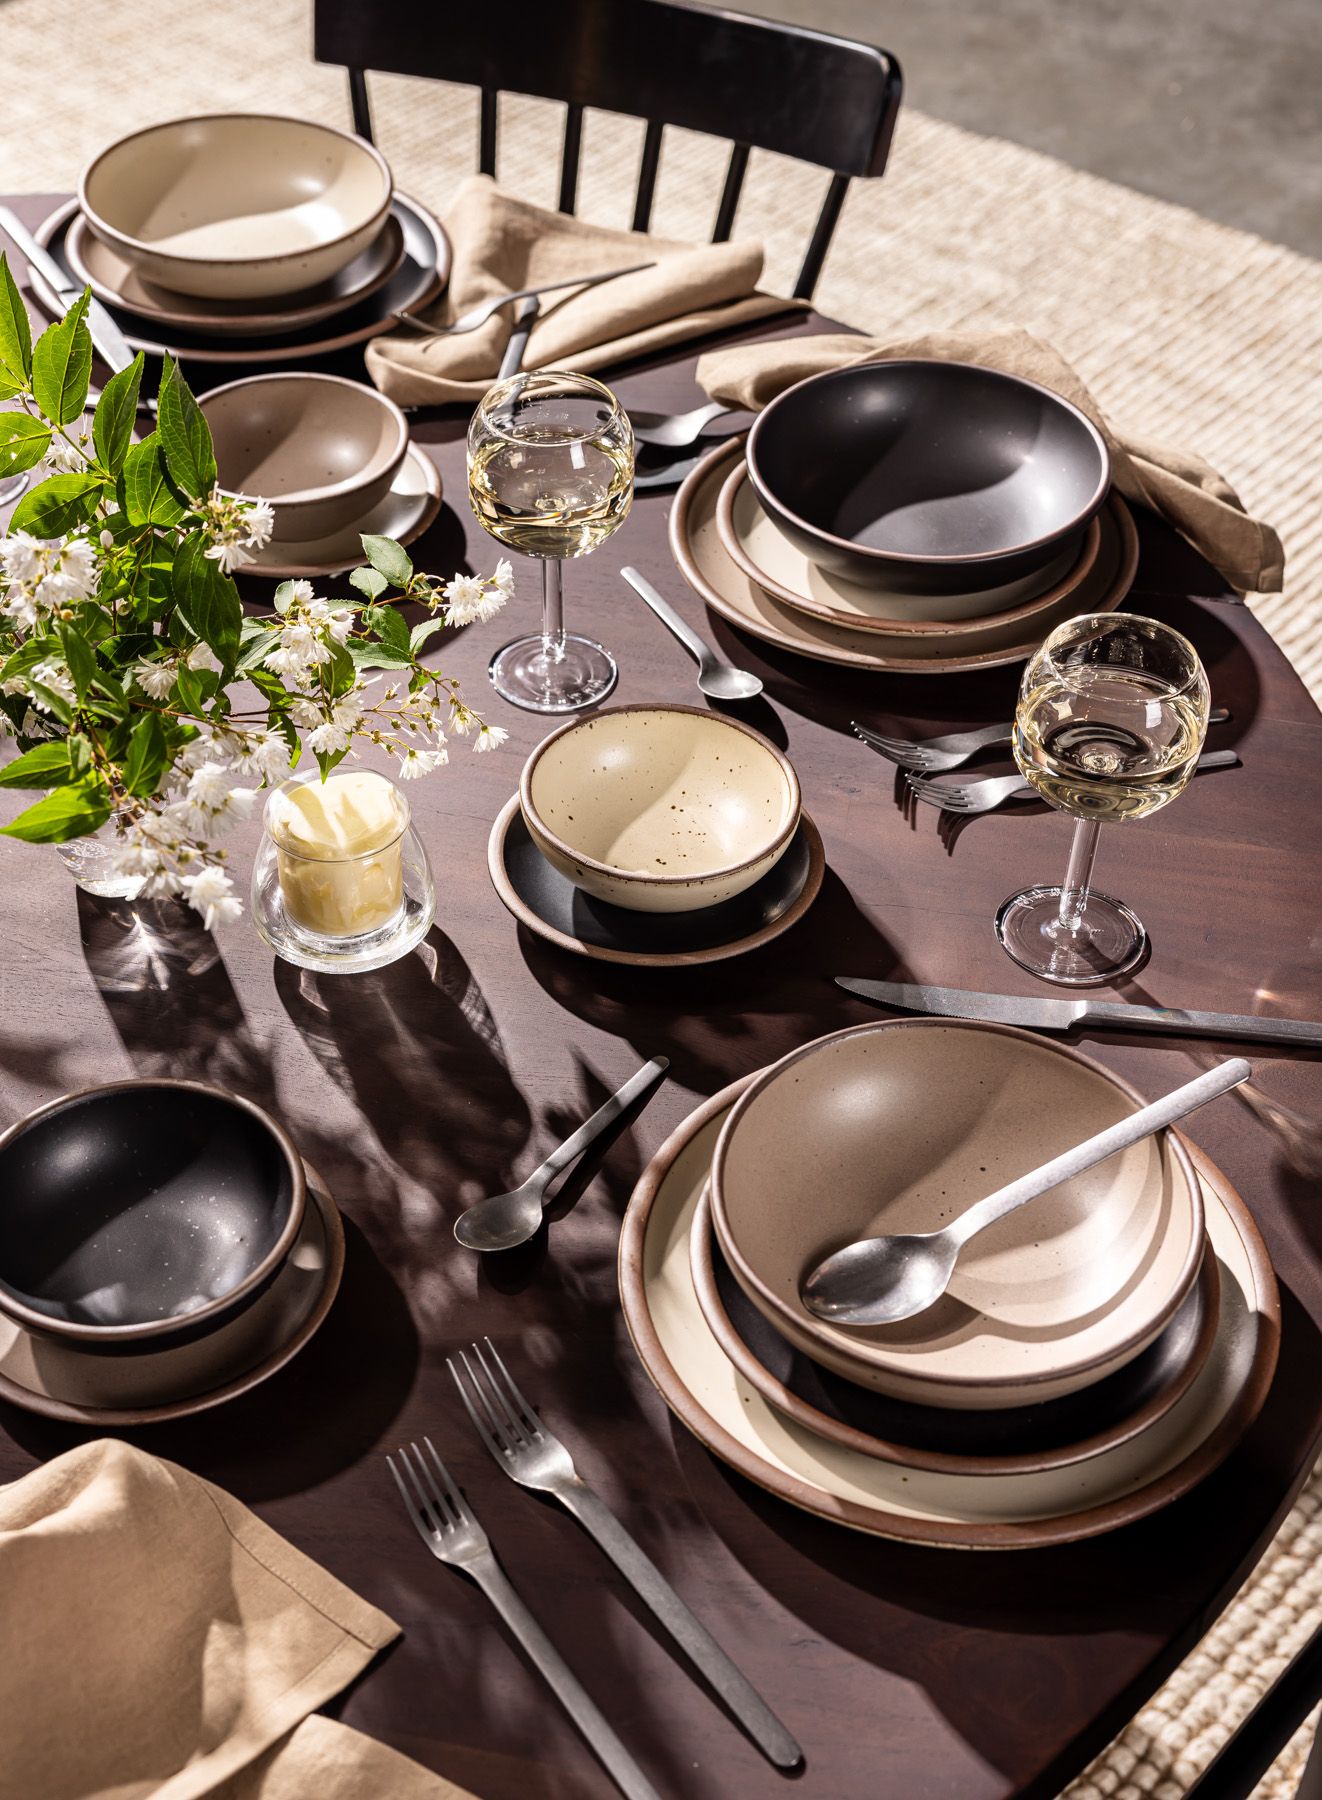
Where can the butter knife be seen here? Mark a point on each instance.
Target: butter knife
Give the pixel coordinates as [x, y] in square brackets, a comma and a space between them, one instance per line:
[1037, 1013]
[108, 340]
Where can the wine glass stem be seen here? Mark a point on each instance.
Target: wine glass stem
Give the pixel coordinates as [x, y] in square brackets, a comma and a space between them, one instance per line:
[1074, 892]
[553, 609]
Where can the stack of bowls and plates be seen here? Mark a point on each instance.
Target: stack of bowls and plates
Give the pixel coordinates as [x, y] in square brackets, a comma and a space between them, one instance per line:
[240, 240]
[947, 517]
[1096, 1354]
[656, 835]
[164, 1248]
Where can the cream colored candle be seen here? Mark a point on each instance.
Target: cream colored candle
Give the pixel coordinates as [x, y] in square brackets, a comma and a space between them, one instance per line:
[338, 849]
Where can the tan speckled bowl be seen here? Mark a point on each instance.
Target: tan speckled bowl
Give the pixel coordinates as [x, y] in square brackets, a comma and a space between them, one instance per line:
[660, 808]
[898, 1127]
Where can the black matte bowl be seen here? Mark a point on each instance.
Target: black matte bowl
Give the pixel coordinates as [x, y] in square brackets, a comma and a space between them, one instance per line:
[928, 477]
[144, 1213]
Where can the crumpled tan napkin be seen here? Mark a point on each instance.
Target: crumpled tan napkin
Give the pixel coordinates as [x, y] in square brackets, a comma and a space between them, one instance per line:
[157, 1639]
[502, 243]
[1184, 489]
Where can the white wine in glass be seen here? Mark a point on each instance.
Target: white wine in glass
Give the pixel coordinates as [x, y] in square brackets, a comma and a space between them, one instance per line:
[550, 474]
[1110, 723]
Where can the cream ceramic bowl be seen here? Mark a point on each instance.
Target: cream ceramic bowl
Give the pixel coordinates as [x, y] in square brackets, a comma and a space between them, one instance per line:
[237, 206]
[321, 449]
[899, 1127]
[660, 808]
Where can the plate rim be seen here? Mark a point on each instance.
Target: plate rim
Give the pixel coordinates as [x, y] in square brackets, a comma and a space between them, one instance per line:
[430, 498]
[514, 904]
[1065, 1528]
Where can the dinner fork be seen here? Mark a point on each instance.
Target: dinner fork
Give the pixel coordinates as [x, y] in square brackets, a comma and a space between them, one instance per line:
[450, 1530]
[934, 755]
[676, 431]
[479, 314]
[534, 1457]
[990, 791]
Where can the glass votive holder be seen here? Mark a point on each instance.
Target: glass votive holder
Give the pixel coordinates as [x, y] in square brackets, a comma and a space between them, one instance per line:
[341, 883]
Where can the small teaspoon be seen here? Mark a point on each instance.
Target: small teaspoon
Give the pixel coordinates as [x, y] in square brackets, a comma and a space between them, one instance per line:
[717, 679]
[881, 1280]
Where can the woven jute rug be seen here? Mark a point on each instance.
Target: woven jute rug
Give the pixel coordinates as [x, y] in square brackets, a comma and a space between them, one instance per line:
[1187, 331]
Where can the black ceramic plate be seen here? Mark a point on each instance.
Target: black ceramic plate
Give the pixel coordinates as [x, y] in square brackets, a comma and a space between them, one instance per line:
[552, 906]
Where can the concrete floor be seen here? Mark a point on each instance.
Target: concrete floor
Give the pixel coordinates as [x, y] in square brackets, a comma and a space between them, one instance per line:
[1215, 104]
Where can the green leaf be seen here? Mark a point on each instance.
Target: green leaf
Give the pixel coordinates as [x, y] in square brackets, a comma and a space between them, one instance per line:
[195, 688]
[23, 442]
[62, 364]
[386, 555]
[327, 759]
[388, 625]
[115, 415]
[420, 633]
[57, 506]
[15, 335]
[80, 657]
[380, 656]
[369, 581]
[207, 601]
[56, 704]
[149, 752]
[149, 498]
[185, 435]
[69, 812]
[80, 753]
[45, 767]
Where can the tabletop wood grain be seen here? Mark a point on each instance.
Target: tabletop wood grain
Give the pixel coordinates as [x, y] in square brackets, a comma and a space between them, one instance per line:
[904, 1672]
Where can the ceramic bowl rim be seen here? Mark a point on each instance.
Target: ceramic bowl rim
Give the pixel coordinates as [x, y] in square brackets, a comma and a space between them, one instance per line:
[233, 1299]
[775, 847]
[381, 464]
[137, 248]
[861, 1352]
[927, 559]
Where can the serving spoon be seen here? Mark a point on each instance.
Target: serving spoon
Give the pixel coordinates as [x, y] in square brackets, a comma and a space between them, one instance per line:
[501, 1221]
[719, 680]
[881, 1280]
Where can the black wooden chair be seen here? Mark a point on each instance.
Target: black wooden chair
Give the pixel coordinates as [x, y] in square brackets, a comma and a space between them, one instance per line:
[823, 100]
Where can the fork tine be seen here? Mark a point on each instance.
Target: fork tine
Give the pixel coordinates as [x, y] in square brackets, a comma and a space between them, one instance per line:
[494, 1434]
[515, 1427]
[458, 1505]
[532, 1418]
[423, 1529]
[434, 1515]
[934, 793]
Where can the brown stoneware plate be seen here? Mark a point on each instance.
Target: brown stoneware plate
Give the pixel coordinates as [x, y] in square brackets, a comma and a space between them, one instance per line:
[113, 279]
[1008, 1441]
[1024, 1511]
[764, 553]
[410, 505]
[420, 277]
[899, 1126]
[63, 1382]
[707, 566]
[550, 905]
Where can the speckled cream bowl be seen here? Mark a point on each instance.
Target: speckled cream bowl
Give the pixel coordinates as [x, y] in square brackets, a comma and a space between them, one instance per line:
[237, 206]
[660, 808]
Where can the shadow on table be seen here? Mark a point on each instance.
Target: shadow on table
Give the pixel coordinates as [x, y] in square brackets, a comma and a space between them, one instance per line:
[716, 1021]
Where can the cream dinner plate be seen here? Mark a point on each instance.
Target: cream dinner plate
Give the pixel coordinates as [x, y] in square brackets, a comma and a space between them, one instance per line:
[407, 510]
[1053, 1506]
[706, 564]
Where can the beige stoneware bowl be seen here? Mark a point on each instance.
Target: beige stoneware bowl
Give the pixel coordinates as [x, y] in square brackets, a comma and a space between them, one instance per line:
[321, 449]
[900, 1126]
[237, 206]
[660, 808]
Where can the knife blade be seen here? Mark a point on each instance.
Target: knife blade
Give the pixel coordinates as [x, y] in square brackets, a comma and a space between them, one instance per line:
[107, 339]
[1037, 1013]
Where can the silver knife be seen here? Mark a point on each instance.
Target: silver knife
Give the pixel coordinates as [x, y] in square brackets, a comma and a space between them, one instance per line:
[524, 320]
[1040, 1014]
[107, 339]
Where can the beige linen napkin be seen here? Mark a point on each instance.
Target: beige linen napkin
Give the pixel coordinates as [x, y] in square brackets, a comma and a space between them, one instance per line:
[502, 243]
[157, 1639]
[1183, 488]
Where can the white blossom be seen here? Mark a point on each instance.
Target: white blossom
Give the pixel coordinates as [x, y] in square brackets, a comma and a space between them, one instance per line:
[57, 678]
[301, 594]
[202, 656]
[329, 738]
[261, 523]
[211, 893]
[490, 737]
[421, 762]
[20, 555]
[230, 553]
[154, 678]
[64, 457]
[503, 579]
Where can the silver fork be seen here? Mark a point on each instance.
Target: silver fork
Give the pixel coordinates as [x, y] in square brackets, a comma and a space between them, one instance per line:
[449, 1529]
[535, 1458]
[934, 755]
[990, 791]
[479, 314]
[676, 431]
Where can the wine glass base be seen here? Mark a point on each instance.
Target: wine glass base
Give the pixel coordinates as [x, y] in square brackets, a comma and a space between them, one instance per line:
[1109, 940]
[527, 674]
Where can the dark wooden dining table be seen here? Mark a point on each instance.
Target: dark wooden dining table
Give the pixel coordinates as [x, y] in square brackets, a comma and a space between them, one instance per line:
[904, 1672]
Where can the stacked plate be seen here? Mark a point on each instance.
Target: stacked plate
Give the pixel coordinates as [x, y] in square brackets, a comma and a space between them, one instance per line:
[165, 1249]
[1097, 1354]
[948, 518]
[657, 836]
[246, 238]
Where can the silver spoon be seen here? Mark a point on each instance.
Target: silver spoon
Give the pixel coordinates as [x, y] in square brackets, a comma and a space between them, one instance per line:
[478, 315]
[716, 678]
[881, 1280]
[501, 1221]
[676, 431]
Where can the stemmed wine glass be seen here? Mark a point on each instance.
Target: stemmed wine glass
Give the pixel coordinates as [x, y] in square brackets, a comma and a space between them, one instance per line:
[550, 473]
[1110, 723]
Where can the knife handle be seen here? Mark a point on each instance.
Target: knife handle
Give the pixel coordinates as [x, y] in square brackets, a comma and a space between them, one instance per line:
[1304, 1032]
